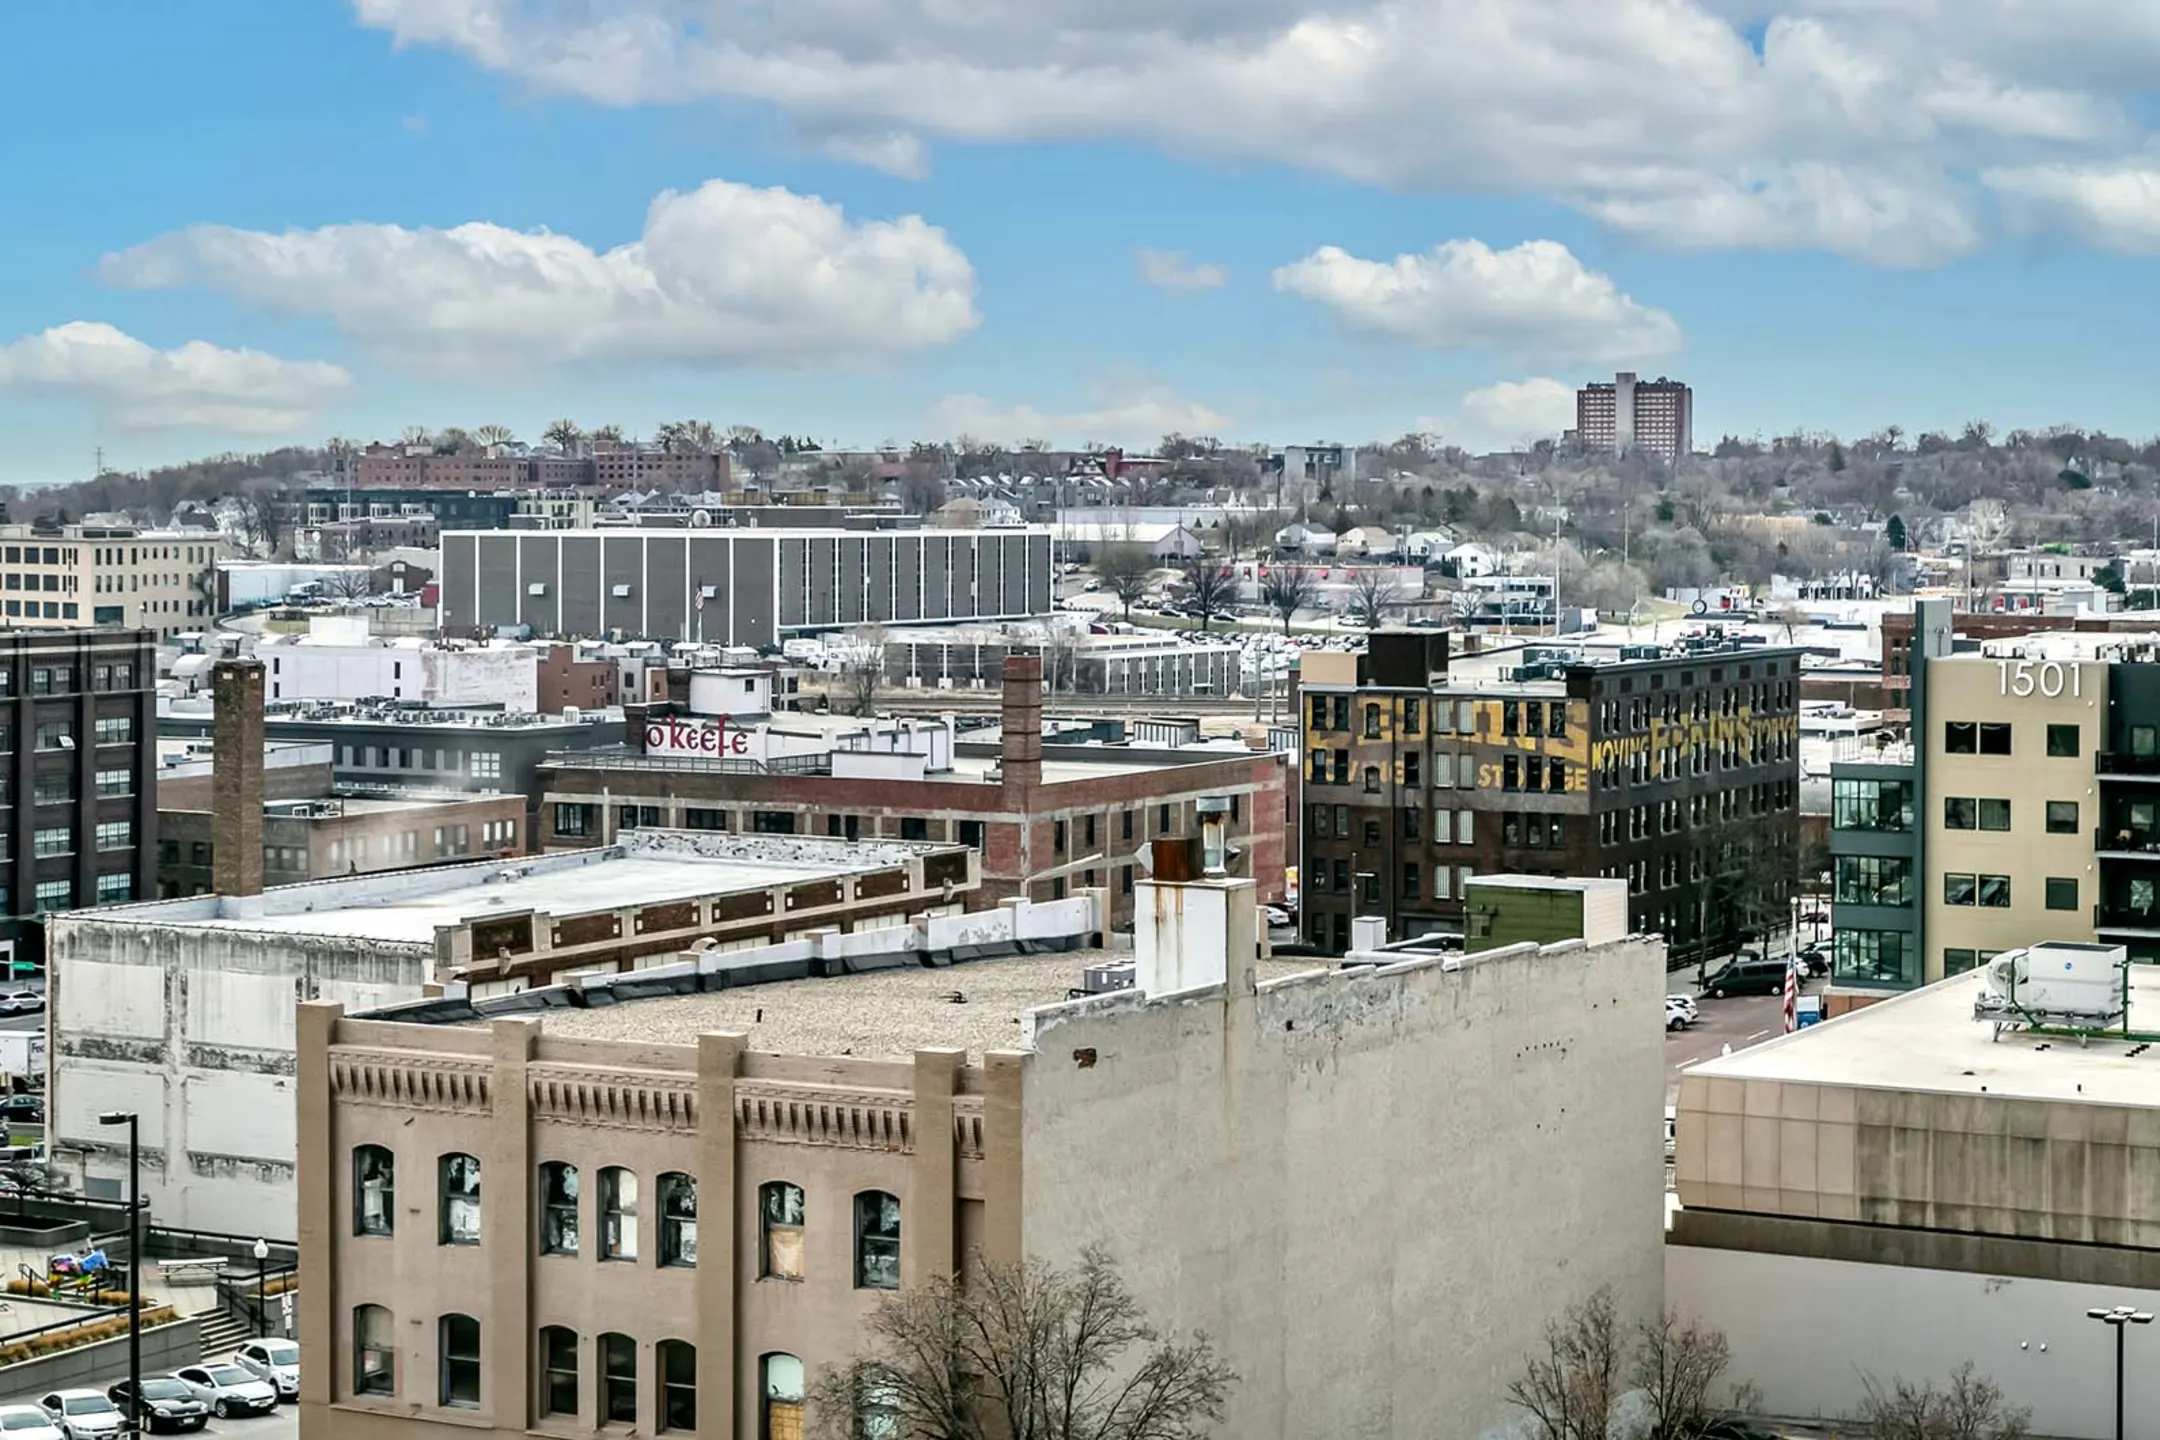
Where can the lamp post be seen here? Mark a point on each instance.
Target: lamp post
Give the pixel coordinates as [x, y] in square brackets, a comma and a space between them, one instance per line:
[262, 1316]
[134, 1230]
[2121, 1318]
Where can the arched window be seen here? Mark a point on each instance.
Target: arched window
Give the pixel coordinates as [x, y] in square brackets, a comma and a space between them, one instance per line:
[457, 1349]
[558, 1371]
[1372, 779]
[877, 1241]
[781, 1407]
[558, 1208]
[678, 1219]
[618, 1213]
[374, 1351]
[678, 1385]
[374, 1180]
[780, 1217]
[460, 1199]
[618, 1379]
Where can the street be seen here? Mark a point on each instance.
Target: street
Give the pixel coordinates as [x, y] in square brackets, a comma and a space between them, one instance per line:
[1740, 1021]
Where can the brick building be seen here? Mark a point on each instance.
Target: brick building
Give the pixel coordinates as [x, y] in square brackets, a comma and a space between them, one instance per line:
[1674, 768]
[1047, 819]
[570, 683]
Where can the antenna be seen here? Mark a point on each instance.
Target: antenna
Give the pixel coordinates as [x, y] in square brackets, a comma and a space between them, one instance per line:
[100, 453]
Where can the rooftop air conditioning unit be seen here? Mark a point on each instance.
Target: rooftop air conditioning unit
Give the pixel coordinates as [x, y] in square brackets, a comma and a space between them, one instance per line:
[1106, 979]
[620, 592]
[538, 587]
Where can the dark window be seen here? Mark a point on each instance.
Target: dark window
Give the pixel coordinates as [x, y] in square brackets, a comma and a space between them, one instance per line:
[2062, 815]
[559, 1371]
[1961, 889]
[374, 1351]
[1511, 717]
[1410, 881]
[1412, 823]
[971, 833]
[2062, 742]
[678, 1219]
[1372, 833]
[558, 1208]
[1162, 812]
[780, 1242]
[1875, 957]
[1961, 737]
[1410, 775]
[1319, 713]
[1994, 814]
[1873, 880]
[678, 1384]
[1372, 722]
[2062, 894]
[1342, 713]
[1057, 836]
[1960, 812]
[572, 819]
[772, 822]
[1958, 961]
[1372, 779]
[1995, 740]
[457, 1343]
[618, 1379]
[374, 1190]
[1126, 820]
[877, 1241]
[1342, 775]
[459, 1204]
[1994, 892]
[1412, 719]
[914, 827]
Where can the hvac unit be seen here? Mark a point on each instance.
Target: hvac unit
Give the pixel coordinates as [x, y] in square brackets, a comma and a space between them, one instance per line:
[1105, 979]
[620, 592]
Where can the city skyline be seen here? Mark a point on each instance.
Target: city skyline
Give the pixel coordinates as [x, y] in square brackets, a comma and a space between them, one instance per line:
[390, 213]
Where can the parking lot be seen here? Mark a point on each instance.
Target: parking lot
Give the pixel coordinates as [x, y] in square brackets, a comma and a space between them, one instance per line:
[1739, 1021]
[283, 1423]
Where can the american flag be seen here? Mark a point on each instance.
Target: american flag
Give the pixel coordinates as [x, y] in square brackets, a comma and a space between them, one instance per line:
[1792, 994]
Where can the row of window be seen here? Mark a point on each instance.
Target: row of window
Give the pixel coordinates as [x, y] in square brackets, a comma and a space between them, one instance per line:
[1992, 892]
[781, 1211]
[479, 764]
[111, 888]
[559, 1371]
[1968, 737]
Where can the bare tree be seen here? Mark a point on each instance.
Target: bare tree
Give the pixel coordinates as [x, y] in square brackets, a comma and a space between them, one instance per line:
[1661, 1380]
[564, 435]
[1214, 592]
[1287, 589]
[494, 435]
[260, 512]
[1372, 591]
[1676, 1370]
[1126, 568]
[862, 670]
[1970, 1407]
[1028, 1352]
[606, 435]
[353, 584]
[1569, 1391]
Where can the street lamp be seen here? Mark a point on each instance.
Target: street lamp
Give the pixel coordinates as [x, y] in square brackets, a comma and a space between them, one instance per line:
[134, 1230]
[262, 1316]
[2122, 1317]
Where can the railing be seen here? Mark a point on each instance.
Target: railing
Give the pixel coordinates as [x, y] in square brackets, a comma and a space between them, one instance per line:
[711, 765]
[2116, 762]
[2127, 842]
[249, 1298]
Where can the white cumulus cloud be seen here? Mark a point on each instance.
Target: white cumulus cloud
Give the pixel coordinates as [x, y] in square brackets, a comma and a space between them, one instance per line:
[2114, 204]
[195, 386]
[1534, 300]
[1129, 415]
[1858, 126]
[1171, 270]
[1512, 411]
[723, 275]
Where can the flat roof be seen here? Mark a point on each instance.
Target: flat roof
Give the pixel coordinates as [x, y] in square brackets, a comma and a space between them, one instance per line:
[406, 906]
[879, 1015]
[1926, 1040]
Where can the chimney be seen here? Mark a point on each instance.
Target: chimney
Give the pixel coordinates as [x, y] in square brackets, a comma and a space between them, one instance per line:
[236, 820]
[1020, 751]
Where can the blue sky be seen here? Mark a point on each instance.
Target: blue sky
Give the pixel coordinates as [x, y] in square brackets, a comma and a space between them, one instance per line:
[233, 222]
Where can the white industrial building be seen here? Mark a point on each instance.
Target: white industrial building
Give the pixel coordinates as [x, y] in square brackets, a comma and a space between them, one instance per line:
[338, 659]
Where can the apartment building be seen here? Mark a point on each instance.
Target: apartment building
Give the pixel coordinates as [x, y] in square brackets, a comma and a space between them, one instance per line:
[1674, 768]
[1631, 415]
[78, 734]
[73, 577]
[2023, 806]
[622, 465]
[667, 1211]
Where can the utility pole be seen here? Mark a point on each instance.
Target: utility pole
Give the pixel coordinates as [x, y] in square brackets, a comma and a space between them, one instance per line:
[100, 452]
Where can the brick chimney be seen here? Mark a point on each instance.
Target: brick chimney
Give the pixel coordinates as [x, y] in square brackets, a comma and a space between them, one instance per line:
[1020, 751]
[236, 810]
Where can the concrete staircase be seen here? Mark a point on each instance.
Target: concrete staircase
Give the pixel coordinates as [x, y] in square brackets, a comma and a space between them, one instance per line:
[222, 1332]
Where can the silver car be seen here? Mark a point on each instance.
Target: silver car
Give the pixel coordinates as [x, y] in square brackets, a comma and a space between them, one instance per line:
[277, 1361]
[227, 1389]
[82, 1414]
[28, 1422]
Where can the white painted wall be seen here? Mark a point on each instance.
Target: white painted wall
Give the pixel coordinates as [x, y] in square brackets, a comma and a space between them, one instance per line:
[507, 674]
[1806, 1332]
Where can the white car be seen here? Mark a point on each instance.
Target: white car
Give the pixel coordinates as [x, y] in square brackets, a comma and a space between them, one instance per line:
[1678, 1017]
[227, 1389]
[28, 1422]
[1684, 1003]
[82, 1414]
[1277, 917]
[277, 1361]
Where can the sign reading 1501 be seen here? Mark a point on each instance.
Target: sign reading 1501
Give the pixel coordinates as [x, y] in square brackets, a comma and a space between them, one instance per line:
[2040, 677]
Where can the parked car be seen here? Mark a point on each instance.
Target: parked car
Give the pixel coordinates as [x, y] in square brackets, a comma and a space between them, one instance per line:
[28, 1422]
[227, 1389]
[82, 1414]
[277, 1361]
[30, 1108]
[1681, 1008]
[21, 1002]
[1813, 961]
[1277, 917]
[168, 1404]
[1746, 975]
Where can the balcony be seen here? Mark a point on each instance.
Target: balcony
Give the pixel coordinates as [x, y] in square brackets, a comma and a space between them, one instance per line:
[2119, 918]
[2126, 844]
[2119, 765]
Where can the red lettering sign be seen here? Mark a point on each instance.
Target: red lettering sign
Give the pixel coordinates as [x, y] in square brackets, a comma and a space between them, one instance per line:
[675, 736]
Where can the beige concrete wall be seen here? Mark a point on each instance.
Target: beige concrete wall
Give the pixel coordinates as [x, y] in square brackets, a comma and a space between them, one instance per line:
[1372, 1190]
[1983, 1164]
[1970, 688]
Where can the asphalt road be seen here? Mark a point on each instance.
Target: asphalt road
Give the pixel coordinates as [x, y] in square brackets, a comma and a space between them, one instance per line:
[1739, 1021]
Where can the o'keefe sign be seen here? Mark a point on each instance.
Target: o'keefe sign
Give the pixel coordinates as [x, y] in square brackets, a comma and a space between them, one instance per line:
[676, 736]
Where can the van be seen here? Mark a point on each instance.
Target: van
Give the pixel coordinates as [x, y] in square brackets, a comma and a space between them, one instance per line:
[1746, 975]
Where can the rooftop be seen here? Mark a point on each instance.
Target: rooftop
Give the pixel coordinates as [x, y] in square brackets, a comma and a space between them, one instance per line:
[406, 906]
[881, 1015]
[1927, 1040]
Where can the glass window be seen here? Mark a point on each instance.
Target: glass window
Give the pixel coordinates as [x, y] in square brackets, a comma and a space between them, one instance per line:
[115, 784]
[558, 1208]
[1960, 889]
[678, 1384]
[1958, 961]
[2062, 893]
[115, 729]
[458, 1345]
[1995, 892]
[1994, 739]
[1411, 716]
[55, 735]
[374, 1190]
[1994, 814]
[2062, 742]
[1372, 779]
[2062, 816]
[115, 834]
[1873, 880]
[1878, 957]
[54, 895]
[459, 1205]
[877, 1409]
[1960, 812]
[678, 1219]
[1372, 722]
[374, 1351]
[2144, 739]
[54, 840]
[782, 1399]
[877, 1241]
[114, 887]
[618, 1214]
[618, 1377]
[558, 1371]
[1961, 737]
[1871, 805]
